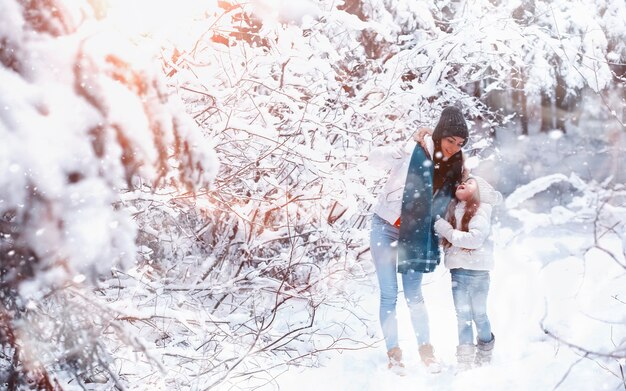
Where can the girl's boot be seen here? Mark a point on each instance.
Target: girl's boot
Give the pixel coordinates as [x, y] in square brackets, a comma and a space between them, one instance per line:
[427, 354]
[395, 361]
[465, 356]
[484, 351]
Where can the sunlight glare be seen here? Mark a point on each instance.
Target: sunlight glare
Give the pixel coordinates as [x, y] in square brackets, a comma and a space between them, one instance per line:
[156, 19]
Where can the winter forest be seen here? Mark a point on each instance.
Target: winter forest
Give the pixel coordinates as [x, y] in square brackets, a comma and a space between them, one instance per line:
[186, 193]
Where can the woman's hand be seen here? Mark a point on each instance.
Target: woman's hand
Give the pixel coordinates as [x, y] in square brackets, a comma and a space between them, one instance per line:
[397, 152]
[419, 135]
[465, 174]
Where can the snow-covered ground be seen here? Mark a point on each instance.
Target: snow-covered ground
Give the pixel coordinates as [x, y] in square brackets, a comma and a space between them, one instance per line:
[536, 279]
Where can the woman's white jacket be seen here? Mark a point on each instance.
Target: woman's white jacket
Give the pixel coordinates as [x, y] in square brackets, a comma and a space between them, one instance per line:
[473, 249]
[389, 202]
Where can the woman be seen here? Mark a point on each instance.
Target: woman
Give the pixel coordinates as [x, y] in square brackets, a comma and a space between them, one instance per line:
[421, 183]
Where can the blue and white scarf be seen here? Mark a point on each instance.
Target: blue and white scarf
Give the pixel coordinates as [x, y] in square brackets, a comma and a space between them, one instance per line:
[418, 245]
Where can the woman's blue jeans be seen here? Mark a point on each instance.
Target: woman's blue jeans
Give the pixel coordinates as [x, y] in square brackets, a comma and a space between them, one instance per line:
[469, 291]
[384, 249]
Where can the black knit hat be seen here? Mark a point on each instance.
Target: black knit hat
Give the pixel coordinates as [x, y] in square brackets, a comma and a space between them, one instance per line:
[451, 123]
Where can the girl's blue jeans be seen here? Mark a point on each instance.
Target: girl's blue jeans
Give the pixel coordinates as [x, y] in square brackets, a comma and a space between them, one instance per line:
[384, 250]
[469, 292]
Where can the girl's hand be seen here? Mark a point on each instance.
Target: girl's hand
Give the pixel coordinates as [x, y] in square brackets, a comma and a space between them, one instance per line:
[442, 227]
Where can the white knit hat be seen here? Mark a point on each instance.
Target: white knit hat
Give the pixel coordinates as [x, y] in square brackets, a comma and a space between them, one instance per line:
[488, 194]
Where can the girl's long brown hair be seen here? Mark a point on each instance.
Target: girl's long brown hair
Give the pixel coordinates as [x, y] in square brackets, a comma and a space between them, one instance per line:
[471, 207]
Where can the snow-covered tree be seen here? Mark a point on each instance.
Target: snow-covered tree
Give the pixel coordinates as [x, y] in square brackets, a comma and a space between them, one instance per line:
[84, 115]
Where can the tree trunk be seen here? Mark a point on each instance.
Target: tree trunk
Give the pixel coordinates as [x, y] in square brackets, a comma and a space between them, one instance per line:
[563, 103]
[520, 100]
[524, 109]
[547, 113]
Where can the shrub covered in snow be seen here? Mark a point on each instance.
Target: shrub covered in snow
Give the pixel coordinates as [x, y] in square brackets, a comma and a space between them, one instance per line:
[83, 115]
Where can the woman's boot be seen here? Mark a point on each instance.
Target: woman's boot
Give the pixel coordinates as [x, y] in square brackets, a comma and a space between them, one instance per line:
[484, 351]
[465, 356]
[427, 354]
[395, 361]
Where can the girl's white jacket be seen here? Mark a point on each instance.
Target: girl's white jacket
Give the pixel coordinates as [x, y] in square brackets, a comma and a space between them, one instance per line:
[389, 202]
[471, 250]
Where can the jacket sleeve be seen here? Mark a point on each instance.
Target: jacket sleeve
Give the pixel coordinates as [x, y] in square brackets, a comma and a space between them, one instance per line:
[479, 228]
[383, 157]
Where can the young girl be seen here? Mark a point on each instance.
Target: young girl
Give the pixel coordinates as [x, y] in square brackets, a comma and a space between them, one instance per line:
[468, 255]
